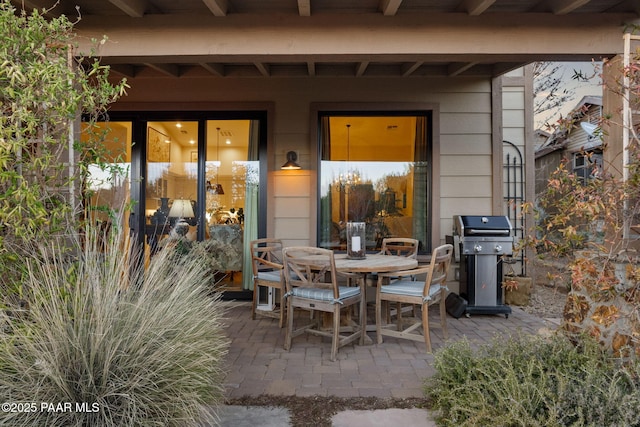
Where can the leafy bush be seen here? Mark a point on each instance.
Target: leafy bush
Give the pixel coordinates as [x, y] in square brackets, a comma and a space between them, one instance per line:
[533, 381]
[143, 347]
[45, 83]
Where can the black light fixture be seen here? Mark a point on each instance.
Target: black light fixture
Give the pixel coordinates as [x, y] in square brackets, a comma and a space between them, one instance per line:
[216, 189]
[291, 164]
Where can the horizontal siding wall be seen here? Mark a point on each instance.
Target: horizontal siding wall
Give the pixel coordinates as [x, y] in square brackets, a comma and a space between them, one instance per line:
[465, 134]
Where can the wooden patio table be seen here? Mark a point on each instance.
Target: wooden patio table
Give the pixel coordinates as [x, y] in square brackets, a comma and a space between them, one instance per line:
[374, 263]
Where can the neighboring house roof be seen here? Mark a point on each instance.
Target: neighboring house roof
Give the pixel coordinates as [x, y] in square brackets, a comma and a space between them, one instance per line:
[560, 138]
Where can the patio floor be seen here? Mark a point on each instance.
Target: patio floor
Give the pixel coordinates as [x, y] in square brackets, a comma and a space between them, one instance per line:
[258, 363]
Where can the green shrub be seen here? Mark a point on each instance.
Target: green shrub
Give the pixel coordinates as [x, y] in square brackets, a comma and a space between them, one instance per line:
[143, 347]
[533, 381]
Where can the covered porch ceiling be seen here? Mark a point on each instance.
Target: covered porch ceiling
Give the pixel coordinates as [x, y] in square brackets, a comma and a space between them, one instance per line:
[350, 38]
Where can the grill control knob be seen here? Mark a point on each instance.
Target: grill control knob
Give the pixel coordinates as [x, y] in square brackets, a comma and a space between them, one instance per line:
[477, 248]
[498, 248]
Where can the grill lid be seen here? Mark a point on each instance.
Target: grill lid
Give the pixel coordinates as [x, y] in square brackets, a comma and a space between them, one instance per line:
[482, 225]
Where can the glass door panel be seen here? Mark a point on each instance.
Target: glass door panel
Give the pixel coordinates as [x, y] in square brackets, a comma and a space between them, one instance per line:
[108, 186]
[227, 180]
[171, 203]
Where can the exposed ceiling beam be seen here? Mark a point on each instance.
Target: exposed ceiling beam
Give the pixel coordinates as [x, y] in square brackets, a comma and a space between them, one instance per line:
[133, 8]
[361, 67]
[124, 69]
[170, 70]
[476, 7]
[410, 68]
[504, 67]
[217, 7]
[304, 7]
[458, 68]
[263, 68]
[562, 7]
[311, 68]
[390, 7]
[215, 69]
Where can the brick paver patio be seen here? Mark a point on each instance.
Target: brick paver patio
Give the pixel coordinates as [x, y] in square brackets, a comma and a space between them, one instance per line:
[258, 364]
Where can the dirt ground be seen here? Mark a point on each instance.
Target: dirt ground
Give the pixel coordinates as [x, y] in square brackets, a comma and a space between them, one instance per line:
[549, 292]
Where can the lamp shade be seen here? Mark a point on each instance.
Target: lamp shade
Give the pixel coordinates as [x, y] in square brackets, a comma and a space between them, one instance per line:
[181, 208]
[291, 164]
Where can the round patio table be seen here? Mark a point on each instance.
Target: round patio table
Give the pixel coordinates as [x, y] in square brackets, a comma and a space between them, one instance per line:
[374, 263]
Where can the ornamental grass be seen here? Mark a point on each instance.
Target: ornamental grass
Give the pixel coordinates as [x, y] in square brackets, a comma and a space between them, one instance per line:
[105, 342]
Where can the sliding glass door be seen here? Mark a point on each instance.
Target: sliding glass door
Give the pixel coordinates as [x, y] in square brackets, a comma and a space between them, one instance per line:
[202, 188]
[194, 180]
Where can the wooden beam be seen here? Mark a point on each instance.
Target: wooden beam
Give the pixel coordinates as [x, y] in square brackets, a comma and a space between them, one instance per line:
[410, 68]
[404, 39]
[361, 68]
[263, 68]
[459, 68]
[311, 68]
[505, 67]
[216, 69]
[217, 7]
[124, 69]
[562, 7]
[476, 7]
[170, 70]
[133, 8]
[390, 7]
[304, 7]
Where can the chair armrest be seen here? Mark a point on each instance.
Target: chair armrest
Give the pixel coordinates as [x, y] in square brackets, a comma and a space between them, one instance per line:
[264, 262]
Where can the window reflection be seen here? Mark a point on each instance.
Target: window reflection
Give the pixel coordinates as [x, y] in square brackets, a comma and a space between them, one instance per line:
[370, 173]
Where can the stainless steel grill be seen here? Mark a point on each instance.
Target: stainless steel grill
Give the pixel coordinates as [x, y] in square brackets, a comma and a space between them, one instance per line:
[481, 242]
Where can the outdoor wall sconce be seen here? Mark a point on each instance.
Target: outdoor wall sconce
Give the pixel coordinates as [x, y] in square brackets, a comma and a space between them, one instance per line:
[291, 164]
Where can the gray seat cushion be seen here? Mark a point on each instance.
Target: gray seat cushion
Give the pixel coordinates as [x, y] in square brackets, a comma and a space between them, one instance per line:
[409, 287]
[325, 294]
[270, 276]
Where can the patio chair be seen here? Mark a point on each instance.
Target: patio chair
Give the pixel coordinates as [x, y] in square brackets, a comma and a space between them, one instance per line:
[401, 246]
[312, 284]
[421, 293]
[266, 261]
[398, 246]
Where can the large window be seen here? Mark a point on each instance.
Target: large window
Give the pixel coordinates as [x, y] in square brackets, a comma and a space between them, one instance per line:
[375, 169]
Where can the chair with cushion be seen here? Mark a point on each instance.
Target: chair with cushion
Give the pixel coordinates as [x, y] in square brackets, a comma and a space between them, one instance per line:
[398, 246]
[266, 260]
[405, 290]
[312, 284]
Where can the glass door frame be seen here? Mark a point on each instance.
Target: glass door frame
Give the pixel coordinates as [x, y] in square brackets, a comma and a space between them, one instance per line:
[140, 119]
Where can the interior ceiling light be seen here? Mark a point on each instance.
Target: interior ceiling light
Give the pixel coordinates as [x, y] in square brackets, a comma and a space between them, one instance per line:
[216, 188]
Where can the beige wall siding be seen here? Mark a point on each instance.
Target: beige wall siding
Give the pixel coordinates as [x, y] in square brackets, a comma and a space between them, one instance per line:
[291, 206]
[464, 137]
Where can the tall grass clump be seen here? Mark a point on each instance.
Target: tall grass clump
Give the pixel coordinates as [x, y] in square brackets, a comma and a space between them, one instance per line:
[533, 381]
[113, 343]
